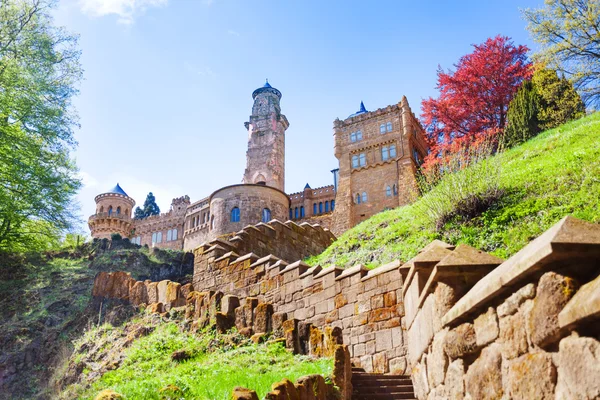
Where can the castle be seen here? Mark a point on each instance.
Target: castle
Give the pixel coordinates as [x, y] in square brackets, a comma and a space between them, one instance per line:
[378, 153]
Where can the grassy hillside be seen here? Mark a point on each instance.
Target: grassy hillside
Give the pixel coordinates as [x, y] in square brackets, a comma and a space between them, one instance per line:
[555, 174]
[213, 364]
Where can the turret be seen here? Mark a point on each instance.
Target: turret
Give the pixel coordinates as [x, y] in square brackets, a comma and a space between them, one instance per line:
[113, 214]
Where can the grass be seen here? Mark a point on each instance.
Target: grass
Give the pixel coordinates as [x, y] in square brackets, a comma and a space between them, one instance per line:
[214, 369]
[552, 175]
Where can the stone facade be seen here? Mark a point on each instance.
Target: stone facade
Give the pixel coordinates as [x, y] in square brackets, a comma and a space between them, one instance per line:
[386, 179]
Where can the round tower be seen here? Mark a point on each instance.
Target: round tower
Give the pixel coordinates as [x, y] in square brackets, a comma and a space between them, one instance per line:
[265, 158]
[113, 214]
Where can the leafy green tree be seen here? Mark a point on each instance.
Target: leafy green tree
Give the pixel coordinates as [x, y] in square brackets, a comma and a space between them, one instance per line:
[522, 117]
[39, 70]
[569, 34]
[150, 208]
[559, 101]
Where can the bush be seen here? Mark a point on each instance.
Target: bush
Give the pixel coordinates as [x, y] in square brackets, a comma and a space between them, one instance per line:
[116, 237]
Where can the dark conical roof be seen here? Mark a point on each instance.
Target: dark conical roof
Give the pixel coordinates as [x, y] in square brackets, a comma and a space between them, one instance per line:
[266, 88]
[361, 110]
[118, 190]
[307, 186]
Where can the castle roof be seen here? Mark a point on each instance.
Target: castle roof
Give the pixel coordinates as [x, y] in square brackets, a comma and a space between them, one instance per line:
[362, 110]
[266, 88]
[307, 186]
[118, 190]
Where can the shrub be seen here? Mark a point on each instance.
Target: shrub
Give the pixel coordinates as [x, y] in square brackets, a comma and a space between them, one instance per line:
[115, 237]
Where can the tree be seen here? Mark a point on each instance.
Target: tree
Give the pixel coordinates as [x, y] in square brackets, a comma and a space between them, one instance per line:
[569, 34]
[150, 208]
[522, 117]
[559, 101]
[39, 69]
[474, 99]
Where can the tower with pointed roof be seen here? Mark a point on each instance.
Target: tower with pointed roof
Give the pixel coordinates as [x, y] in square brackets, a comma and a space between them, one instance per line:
[265, 157]
[113, 214]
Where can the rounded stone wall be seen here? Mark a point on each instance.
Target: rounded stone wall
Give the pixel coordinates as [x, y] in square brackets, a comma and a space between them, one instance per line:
[251, 201]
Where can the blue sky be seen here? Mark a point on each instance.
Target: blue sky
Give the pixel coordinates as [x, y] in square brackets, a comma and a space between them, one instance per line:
[168, 83]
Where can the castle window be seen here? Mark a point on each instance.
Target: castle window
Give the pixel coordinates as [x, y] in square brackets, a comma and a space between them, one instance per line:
[174, 234]
[384, 153]
[357, 198]
[353, 137]
[388, 191]
[389, 126]
[362, 159]
[395, 190]
[364, 197]
[326, 206]
[118, 210]
[235, 214]
[359, 135]
[109, 211]
[314, 208]
[355, 161]
[290, 213]
[169, 237]
[154, 238]
[320, 208]
[159, 237]
[102, 209]
[332, 205]
[266, 215]
[296, 213]
[382, 128]
[393, 151]
[212, 222]
[301, 211]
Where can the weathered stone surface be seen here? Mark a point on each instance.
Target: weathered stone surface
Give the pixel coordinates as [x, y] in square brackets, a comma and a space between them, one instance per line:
[486, 327]
[283, 390]
[444, 298]
[383, 340]
[262, 318]
[578, 363]
[240, 393]
[454, 382]
[229, 303]
[513, 335]
[151, 289]
[583, 307]
[398, 366]
[224, 322]
[553, 292]
[512, 303]
[138, 294]
[460, 341]
[438, 393]
[532, 376]
[419, 378]
[342, 371]
[437, 361]
[161, 289]
[483, 380]
[380, 365]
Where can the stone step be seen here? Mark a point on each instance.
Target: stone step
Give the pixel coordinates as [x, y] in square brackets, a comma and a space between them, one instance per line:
[382, 379]
[383, 396]
[383, 389]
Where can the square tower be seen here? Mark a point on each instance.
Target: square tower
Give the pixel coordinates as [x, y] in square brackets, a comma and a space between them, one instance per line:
[379, 153]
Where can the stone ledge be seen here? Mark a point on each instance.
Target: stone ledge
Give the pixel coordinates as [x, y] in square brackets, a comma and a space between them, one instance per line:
[381, 270]
[263, 260]
[311, 271]
[335, 269]
[583, 307]
[357, 269]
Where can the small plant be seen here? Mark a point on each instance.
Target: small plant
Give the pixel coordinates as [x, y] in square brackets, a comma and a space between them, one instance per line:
[116, 237]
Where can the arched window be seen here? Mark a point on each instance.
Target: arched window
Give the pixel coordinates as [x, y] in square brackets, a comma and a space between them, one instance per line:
[296, 213]
[389, 126]
[212, 222]
[359, 135]
[169, 237]
[355, 161]
[395, 190]
[102, 209]
[362, 160]
[266, 215]
[353, 137]
[109, 210]
[174, 234]
[235, 214]
[357, 198]
[332, 205]
[154, 238]
[301, 211]
[382, 128]
[118, 210]
[393, 151]
[364, 197]
[326, 206]
[320, 208]
[388, 191]
[159, 237]
[290, 213]
[314, 208]
[384, 153]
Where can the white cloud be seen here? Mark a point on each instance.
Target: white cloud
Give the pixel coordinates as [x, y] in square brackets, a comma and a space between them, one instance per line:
[126, 10]
[233, 33]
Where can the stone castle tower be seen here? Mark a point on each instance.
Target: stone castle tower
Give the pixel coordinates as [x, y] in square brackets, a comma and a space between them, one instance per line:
[265, 158]
[113, 214]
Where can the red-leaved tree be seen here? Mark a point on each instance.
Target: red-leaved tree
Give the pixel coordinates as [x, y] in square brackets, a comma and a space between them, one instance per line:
[474, 99]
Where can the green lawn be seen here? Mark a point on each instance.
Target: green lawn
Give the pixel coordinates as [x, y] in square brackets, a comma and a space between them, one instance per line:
[555, 174]
[215, 368]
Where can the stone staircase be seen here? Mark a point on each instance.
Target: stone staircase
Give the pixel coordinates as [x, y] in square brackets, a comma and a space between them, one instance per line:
[367, 386]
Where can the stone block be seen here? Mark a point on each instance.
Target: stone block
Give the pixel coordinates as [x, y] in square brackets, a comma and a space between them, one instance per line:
[437, 360]
[229, 303]
[419, 379]
[512, 303]
[262, 318]
[224, 322]
[151, 288]
[359, 350]
[460, 341]
[240, 393]
[532, 376]
[389, 299]
[513, 335]
[377, 302]
[346, 311]
[486, 327]
[138, 293]
[553, 292]
[383, 340]
[340, 300]
[380, 364]
[583, 307]
[161, 289]
[397, 337]
[454, 382]
[483, 380]
[278, 319]
[366, 362]
[578, 363]
[398, 366]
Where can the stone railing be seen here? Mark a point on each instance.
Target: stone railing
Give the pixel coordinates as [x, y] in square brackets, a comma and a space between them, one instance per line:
[525, 329]
[107, 215]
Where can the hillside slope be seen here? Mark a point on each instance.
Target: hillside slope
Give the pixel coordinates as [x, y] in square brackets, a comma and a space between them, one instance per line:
[555, 174]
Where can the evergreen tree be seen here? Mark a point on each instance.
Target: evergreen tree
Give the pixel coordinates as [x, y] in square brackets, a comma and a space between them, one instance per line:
[559, 102]
[138, 213]
[150, 206]
[522, 117]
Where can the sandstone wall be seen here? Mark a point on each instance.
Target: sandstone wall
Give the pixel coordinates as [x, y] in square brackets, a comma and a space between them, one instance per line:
[527, 330]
